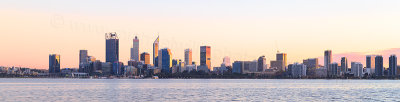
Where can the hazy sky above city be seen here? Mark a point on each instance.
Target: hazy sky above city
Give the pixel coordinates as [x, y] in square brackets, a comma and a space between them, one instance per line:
[240, 29]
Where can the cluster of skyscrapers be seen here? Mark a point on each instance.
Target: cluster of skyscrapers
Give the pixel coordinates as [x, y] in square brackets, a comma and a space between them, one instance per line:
[139, 63]
[373, 68]
[163, 62]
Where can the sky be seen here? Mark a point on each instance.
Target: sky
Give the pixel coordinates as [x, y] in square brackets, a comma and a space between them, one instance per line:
[240, 29]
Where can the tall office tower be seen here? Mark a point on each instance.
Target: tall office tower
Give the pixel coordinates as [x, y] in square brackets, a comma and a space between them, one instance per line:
[112, 47]
[135, 50]
[281, 62]
[244, 67]
[370, 61]
[188, 57]
[328, 60]
[379, 66]
[283, 58]
[205, 56]
[311, 64]
[334, 70]
[297, 70]
[226, 61]
[145, 57]
[238, 67]
[357, 69]
[155, 51]
[54, 63]
[392, 65]
[165, 60]
[83, 58]
[344, 66]
[262, 61]
[117, 68]
[251, 66]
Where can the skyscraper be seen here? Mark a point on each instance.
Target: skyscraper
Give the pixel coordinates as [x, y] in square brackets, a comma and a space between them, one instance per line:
[155, 51]
[117, 68]
[112, 47]
[370, 61]
[357, 69]
[344, 66]
[392, 65]
[188, 57]
[135, 50]
[328, 60]
[311, 64]
[297, 70]
[165, 60]
[238, 67]
[334, 70]
[282, 59]
[205, 56]
[145, 57]
[379, 66]
[262, 61]
[54, 63]
[83, 57]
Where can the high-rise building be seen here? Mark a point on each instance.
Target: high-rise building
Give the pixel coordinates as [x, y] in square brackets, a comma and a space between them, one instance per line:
[379, 66]
[297, 70]
[112, 47]
[106, 68]
[344, 66]
[238, 67]
[83, 56]
[188, 56]
[135, 50]
[335, 70]
[117, 68]
[392, 65]
[328, 60]
[226, 61]
[370, 61]
[250, 66]
[155, 51]
[145, 57]
[311, 64]
[177, 66]
[244, 67]
[165, 60]
[205, 56]
[276, 65]
[54, 63]
[357, 69]
[282, 57]
[262, 61]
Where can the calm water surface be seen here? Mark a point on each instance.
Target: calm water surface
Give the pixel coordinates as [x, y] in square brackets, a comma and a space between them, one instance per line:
[81, 90]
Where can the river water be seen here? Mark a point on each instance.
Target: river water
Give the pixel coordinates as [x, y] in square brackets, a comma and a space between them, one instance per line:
[198, 90]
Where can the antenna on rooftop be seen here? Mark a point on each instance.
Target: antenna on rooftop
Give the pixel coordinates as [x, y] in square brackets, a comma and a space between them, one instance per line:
[276, 45]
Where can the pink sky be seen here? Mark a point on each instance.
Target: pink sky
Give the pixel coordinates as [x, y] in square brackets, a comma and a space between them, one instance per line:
[242, 30]
[361, 56]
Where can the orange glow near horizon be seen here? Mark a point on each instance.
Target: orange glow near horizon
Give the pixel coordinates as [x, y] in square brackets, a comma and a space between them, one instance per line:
[241, 30]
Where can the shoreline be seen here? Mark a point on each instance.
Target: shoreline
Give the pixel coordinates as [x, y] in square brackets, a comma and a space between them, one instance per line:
[198, 78]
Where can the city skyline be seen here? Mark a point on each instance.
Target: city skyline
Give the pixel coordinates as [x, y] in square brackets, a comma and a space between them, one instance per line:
[199, 50]
[36, 30]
